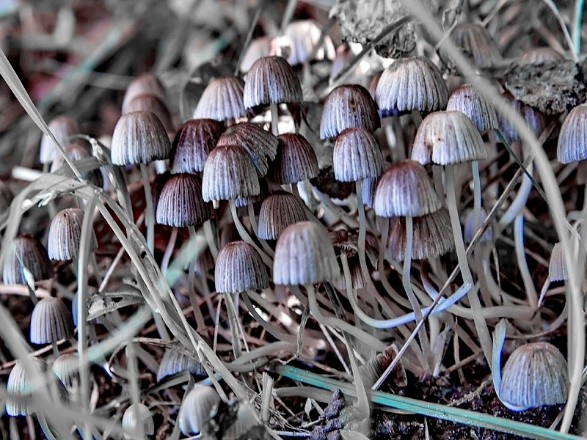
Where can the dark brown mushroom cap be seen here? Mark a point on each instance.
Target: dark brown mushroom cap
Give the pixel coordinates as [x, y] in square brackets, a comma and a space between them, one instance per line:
[65, 234]
[139, 137]
[295, 161]
[345, 107]
[536, 374]
[26, 251]
[50, 321]
[151, 103]
[271, 80]
[466, 99]
[278, 211]
[540, 55]
[62, 128]
[229, 174]
[258, 143]
[304, 255]
[476, 43]
[410, 84]
[144, 84]
[222, 100]
[447, 138]
[356, 155]
[180, 202]
[192, 143]
[432, 236]
[572, 140]
[239, 268]
[405, 189]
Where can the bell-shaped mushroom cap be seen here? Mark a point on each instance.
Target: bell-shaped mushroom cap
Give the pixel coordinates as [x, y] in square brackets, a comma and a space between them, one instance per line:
[295, 161]
[447, 138]
[139, 137]
[476, 43]
[356, 156]
[259, 48]
[229, 174]
[466, 99]
[180, 202]
[308, 42]
[192, 143]
[222, 99]
[535, 120]
[557, 268]
[258, 143]
[243, 422]
[572, 140]
[432, 236]
[150, 103]
[138, 417]
[78, 150]
[406, 190]
[469, 230]
[271, 80]
[20, 384]
[175, 361]
[239, 268]
[62, 128]
[197, 408]
[66, 368]
[26, 252]
[144, 84]
[348, 106]
[540, 55]
[65, 234]
[536, 374]
[410, 84]
[304, 255]
[50, 321]
[278, 211]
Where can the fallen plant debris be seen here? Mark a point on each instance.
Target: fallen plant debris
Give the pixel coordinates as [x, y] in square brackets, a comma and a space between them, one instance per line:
[296, 219]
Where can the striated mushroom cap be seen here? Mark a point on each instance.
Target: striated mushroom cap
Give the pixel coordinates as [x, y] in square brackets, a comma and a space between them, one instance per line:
[572, 140]
[278, 211]
[295, 160]
[466, 100]
[62, 128]
[239, 268]
[356, 156]
[138, 417]
[271, 80]
[192, 143]
[65, 234]
[26, 252]
[50, 321]
[222, 100]
[180, 202]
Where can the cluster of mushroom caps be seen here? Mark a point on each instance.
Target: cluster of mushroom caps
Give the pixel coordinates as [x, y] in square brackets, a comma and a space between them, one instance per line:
[226, 155]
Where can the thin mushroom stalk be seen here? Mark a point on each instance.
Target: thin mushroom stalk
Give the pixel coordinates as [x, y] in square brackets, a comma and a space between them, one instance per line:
[150, 212]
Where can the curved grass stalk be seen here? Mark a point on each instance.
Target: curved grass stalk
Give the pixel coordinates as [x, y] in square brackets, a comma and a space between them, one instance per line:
[247, 237]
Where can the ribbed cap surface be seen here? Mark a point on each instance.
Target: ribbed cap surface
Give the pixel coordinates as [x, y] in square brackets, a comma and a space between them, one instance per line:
[151, 103]
[432, 236]
[192, 143]
[533, 118]
[229, 174]
[539, 55]
[271, 80]
[259, 48]
[180, 202]
[535, 375]
[139, 137]
[572, 140]
[174, 361]
[135, 416]
[26, 252]
[304, 255]
[239, 268]
[222, 99]
[406, 190]
[65, 234]
[258, 143]
[66, 368]
[198, 406]
[466, 99]
[368, 190]
[410, 84]
[144, 84]
[50, 321]
[557, 268]
[308, 42]
[62, 128]
[447, 138]
[78, 150]
[477, 43]
[295, 161]
[348, 106]
[356, 156]
[20, 383]
[278, 211]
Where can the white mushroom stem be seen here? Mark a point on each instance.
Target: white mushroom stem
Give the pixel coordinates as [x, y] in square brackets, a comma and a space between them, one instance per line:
[274, 119]
[522, 263]
[149, 212]
[211, 238]
[168, 251]
[480, 324]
